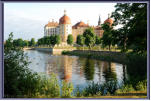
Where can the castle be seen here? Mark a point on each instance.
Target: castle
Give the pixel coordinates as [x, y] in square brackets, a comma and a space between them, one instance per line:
[64, 27]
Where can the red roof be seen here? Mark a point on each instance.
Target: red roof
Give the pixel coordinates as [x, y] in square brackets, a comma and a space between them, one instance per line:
[51, 24]
[109, 20]
[80, 24]
[65, 20]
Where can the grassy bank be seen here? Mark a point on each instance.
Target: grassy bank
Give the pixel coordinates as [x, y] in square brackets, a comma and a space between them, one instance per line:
[123, 58]
[100, 55]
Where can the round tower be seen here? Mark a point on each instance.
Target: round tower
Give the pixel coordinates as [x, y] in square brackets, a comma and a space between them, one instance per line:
[65, 26]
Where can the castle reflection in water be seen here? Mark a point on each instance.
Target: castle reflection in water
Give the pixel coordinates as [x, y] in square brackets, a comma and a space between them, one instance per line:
[80, 71]
[75, 69]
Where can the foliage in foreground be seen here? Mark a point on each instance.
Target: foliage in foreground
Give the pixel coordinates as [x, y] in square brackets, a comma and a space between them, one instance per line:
[133, 33]
[110, 88]
[67, 89]
[16, 73]
[20, 81]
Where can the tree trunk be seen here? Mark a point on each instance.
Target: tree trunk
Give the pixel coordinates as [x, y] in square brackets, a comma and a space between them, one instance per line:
[125, 43]
[109, 47]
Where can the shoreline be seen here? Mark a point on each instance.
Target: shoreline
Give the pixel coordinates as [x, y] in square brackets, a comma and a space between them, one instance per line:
[100, 55]
[51, 50]
[111, 56]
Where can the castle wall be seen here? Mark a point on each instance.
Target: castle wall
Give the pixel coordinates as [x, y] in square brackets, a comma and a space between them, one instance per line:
[65, 30]
[50, 30]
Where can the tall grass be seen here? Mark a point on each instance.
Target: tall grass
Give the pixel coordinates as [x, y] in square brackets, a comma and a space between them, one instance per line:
[100, 89]
[49, 87]
[67, 89]
[110, 88]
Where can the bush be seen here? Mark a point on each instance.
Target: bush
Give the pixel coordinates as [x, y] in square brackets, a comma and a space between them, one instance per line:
[79, 92]
[100, 89]
[19, 81]
[49, 86]
[92, 89]
[67, 89]
[110, 86]
[142, 85]
[126, 88]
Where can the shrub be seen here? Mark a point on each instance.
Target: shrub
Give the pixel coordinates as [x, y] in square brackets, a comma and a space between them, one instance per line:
[79, 92]
[50, 86]
[126, 88]
[110, 86]
[92, 89]
[142, 85]
[67, 89]
[19, 81]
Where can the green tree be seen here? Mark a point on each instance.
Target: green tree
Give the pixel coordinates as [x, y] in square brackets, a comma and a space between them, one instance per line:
[80, 40]
[47, 40]
[133, 18]
[15, 42]
[26, 43]
[98, 40]
[32, 42]
[20, 42]
[52, 39]
[58, 39]
[41, 41]
[107, 35]
[89, 37]
[70, 39]
[18, 79]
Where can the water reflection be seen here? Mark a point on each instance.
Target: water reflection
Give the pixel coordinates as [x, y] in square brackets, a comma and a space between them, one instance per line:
[61, 66]
[77, 70]
[67, 68]
[109, 71]
[124, 74]
[89, 69]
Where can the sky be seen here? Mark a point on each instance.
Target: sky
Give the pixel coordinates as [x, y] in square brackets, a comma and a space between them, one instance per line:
[27, 20]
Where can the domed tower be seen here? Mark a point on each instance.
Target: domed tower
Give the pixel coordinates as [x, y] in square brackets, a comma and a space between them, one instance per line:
[65, 26]
[109, 20]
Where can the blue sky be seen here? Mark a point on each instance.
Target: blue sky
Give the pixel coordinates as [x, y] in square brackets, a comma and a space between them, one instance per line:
[27, 20]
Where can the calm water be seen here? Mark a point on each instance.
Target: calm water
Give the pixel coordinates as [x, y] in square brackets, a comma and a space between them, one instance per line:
[79, 71]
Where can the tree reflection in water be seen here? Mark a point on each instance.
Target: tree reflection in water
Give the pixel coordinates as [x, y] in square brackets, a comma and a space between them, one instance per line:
[83, 70]
[99, 65]
[89, 69]
[109, 71]
[110, 76]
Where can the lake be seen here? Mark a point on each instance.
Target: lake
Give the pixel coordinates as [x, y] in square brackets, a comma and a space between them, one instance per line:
[80, 71]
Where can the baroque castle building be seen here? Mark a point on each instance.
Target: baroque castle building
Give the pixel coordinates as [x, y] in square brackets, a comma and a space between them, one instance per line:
[64, 27]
